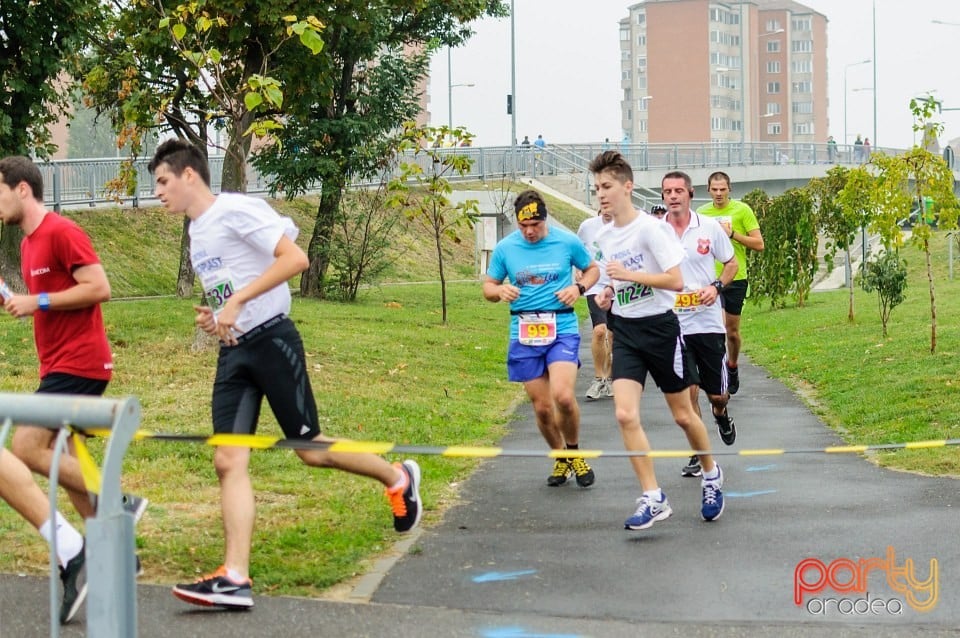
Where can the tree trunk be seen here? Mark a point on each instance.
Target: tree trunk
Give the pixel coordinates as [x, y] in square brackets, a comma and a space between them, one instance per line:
[186, 276]
[311, 282]
[438, 238]
[933, 298]
[10, 237]
[849, 269]
[234, 178]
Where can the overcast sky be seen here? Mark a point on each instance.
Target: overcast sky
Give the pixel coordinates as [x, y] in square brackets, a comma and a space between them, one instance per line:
[568, 70]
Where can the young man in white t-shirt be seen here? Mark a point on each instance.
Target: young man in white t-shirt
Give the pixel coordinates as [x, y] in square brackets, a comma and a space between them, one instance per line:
[642, 278]
[600, 344]
[698, 304]
[244, 254]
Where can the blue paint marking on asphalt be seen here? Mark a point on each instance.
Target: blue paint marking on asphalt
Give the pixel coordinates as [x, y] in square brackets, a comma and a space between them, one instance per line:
[748, 494]
[520, 632]
[491, 577]
[760, 468]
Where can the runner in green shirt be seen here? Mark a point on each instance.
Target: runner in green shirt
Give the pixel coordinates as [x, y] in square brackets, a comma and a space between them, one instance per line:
[740, 224]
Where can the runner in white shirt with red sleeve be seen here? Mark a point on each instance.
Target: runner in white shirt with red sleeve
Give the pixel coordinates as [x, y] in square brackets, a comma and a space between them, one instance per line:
[643, 265]
[698, 305]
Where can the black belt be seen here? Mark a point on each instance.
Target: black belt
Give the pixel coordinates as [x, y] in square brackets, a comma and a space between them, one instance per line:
[266, 325]
[561, 311]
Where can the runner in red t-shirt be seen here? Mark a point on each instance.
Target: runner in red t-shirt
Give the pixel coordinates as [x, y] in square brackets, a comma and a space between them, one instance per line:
[66, 285]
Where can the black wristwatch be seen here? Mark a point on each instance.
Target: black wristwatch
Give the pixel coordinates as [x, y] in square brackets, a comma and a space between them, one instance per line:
[718, 285]
[581, 288]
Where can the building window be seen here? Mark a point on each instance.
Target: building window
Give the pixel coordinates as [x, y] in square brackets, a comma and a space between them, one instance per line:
[773, 128]
[802, 46]
[803, 128]
[736, 125]
[802, 66]
[642, 17]
[803, 108]
[718, 124]
[773, 66]
[641, 63]
[641, 80]
[773, 25]
[773, 108]
[773, 46]
[641, 40]
[642, 126]
[624, 75]
[624, 35]
[805, 86]
[642, 104]
[773, 87]
[801, 24]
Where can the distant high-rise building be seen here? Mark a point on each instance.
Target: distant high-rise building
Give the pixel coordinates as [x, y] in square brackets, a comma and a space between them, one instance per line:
[734, 71]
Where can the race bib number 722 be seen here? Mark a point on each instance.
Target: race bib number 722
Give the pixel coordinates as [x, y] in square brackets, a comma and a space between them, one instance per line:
[633, 294]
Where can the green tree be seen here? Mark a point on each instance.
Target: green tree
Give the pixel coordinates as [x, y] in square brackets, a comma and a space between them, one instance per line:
[38, 43]
[359, 247]
[844, 207]
[887, 275]
[185, 67]
[789, 263]
[344, 103]
[424, 193]
[911, 177]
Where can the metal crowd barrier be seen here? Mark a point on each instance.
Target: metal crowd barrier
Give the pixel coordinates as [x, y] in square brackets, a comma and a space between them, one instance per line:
[110, 560]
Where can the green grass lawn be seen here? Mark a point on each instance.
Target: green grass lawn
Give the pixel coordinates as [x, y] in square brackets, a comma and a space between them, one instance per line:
[871, 389]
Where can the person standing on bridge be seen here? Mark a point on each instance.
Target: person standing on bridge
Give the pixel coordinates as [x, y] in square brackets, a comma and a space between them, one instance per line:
[698, 304]
[532, 270]
[244, 254]
[741, 226]
[643, 275]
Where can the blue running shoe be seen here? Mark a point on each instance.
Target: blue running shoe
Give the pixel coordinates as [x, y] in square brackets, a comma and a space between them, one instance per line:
[648, 512]
[712, 498]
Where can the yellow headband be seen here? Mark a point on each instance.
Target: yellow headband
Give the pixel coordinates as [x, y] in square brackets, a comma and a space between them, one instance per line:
[533, 210]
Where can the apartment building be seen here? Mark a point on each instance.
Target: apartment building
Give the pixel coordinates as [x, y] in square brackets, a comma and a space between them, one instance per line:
[734, 71]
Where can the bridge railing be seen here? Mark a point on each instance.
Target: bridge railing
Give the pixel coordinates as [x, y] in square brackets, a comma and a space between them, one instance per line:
[83, 182]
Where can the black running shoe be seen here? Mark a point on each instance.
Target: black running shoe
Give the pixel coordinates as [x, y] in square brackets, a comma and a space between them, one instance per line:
[74, 579]
[216, 590]
[405, 499]
[726, 427]
[582, 472]
[733, 380]
[692, 468]
[561, 470]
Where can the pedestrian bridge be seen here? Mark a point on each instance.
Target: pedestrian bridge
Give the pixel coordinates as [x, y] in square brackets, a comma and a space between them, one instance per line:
[771, 166]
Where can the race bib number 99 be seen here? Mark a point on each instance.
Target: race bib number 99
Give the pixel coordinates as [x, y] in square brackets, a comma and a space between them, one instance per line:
[633, 294]
[538, 329]
[218, 294]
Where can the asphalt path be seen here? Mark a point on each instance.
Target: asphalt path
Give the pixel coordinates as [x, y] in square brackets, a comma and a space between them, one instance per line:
[515, 558]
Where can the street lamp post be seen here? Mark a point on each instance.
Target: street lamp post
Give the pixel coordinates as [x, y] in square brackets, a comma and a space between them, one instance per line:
[846, 138]
[450, 87]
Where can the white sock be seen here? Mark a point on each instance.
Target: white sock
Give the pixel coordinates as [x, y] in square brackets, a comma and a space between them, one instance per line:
[235, 576]
[654, 495]
[69, 540]
[713, 475]
[402, 482]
